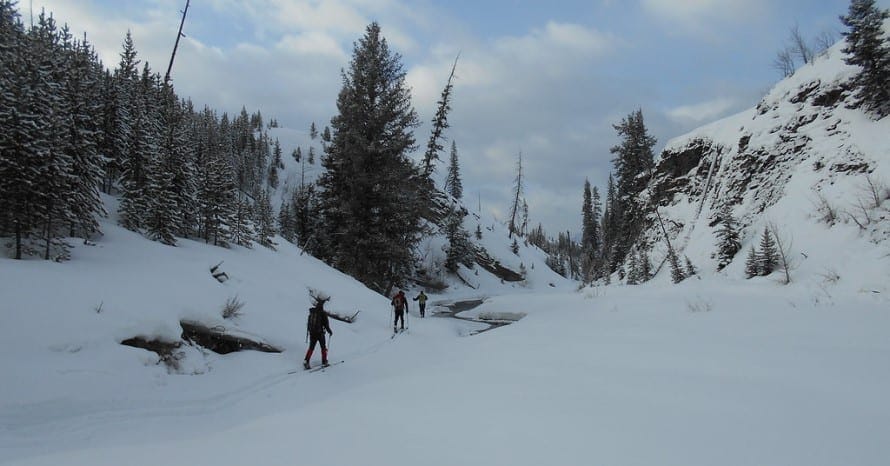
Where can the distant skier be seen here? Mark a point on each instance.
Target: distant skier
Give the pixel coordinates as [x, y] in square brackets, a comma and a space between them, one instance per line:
[421, 301]
[316, 325]
[400, 306]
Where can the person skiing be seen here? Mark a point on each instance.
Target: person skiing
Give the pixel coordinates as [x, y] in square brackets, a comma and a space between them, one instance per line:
[400, 306]
[316, 325]
[421, 302]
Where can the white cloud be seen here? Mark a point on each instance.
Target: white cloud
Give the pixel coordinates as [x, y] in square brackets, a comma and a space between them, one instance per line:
[703, 16]
[703, 111]
[555, 43]
[312, 43]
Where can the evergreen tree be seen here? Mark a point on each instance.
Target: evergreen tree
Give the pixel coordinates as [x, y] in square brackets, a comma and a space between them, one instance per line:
[304, 211]
[453, 185]
[265, 221]
[459, 250]
[285, 222]
[369, 204]
[119, 112]
[611, 223]
[276, 165]
[55, 163]
[752, 264]
[690, 268]
[728, 241]
[677, 273]
[634, 161]
[440, 124]
[645, 267]
[768, 256]
[590, 235]
[297, 154]
[633, 272]
[216, 183]
[82, 92]
[145, 134]
[869, 48]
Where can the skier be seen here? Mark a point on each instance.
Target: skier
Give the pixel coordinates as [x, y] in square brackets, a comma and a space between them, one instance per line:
[421, 301]
[316, 325]
[400, 305]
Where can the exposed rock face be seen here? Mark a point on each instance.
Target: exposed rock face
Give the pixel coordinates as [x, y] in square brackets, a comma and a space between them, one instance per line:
[806, 129]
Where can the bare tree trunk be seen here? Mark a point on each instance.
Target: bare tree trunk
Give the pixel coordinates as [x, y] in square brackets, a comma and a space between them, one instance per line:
[784, 250]
[515, 208]
[176, 44]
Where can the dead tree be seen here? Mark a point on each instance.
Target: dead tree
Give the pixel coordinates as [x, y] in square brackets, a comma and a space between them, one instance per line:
[176, 44]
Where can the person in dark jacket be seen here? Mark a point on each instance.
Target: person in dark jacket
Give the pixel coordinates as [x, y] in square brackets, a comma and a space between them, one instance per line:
[316, 325]
[421, 302]
[400, 306]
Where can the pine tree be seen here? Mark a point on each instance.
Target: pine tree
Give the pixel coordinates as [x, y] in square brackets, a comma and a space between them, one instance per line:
[145, 134]
[645, 267]
[633, 269]
[633, 162]
[440, 124]
[453, 185]
[369, 203]
[275, 165]
[458, 251]
[589, 231]
[304, 211]
[690, 268]
[216, 187]
[728, 241]
[53, 118]
[16, 170]
[313, 132]
[285, 222]
[84, 103]
[265, 221]
[677, 273]
[869, 48]
[611, 230]
[119, 112]
[752, 264]
[768, 257]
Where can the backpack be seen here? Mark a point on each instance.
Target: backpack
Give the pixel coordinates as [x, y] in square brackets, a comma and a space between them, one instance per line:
[399, 303]
[315, 322]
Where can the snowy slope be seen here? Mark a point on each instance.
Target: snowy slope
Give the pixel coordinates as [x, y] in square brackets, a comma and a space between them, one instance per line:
[801, 152]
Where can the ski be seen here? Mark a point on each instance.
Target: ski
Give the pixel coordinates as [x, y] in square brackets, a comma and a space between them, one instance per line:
[316, 368]
[396, 333]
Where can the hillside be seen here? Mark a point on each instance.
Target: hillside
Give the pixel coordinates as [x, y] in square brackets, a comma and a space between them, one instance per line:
[804, 160]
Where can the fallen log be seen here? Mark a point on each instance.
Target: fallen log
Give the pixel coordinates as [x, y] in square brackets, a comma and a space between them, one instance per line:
[343, 317]
[219, 340]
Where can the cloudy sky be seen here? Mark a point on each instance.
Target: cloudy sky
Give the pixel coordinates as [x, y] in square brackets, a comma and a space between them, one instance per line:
[547, 79]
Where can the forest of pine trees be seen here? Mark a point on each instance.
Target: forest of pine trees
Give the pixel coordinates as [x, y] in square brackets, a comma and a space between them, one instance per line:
[74, 129]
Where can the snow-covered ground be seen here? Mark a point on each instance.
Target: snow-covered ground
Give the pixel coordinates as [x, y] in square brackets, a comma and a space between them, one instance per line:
[717, 370]
[712, 371]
